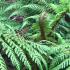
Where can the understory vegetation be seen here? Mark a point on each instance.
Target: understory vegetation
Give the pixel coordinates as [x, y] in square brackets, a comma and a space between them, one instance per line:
[34, 34]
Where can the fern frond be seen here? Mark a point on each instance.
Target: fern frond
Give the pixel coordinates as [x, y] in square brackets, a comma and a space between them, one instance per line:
[9, 51]
[13, 6]
[2, 64]
[68, 68]
[35, 55]
[18, 51]
[30, 19]
[61, 60]
[63, 65]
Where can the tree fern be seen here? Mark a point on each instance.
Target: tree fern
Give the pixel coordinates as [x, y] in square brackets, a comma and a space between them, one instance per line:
[28, 53]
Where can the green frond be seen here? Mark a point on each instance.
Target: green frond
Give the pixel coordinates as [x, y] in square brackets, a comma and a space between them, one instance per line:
[68, 68]
[18, 51]
[2, 64]
[9, 51]
[61, 59]
[32, 52]
[33, 7]
[30, 19]
[27, 50]
[13, 6]
[62, 65]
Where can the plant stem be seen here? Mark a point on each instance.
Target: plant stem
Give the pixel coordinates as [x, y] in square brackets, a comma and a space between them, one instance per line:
[56, 22]
[42, 25]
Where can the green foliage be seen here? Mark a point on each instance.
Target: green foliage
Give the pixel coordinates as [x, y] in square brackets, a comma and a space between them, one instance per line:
[2, 63]
[53, 53]
[16, 47]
